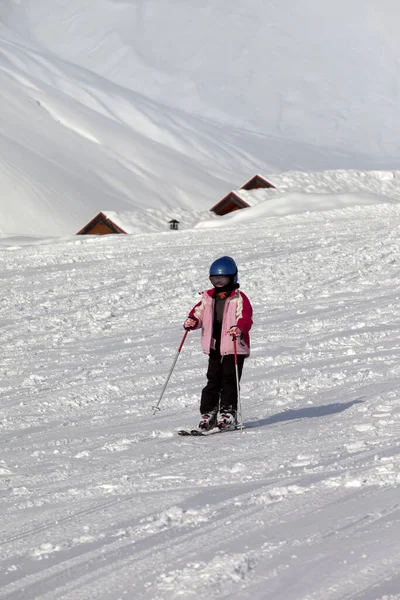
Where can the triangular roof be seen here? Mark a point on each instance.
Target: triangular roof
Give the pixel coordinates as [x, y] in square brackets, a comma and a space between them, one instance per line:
[257, 181]
[234, 200]
[102, 222]
[230, 199]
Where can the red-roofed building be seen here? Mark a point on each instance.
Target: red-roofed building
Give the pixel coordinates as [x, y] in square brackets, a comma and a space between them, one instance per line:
[100, 225]
[256, 183]
[233, 201]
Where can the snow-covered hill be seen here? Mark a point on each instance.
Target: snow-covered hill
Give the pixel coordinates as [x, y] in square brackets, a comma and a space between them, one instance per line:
[120, 105]
[321, 73]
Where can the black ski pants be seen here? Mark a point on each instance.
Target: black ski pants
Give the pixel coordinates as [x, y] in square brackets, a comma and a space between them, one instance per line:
[221, 389]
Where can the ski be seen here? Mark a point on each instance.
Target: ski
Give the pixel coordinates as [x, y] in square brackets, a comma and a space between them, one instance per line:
[202, 433]
[197, 432]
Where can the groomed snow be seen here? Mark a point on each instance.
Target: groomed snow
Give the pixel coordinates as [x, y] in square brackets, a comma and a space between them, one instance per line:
[102, 500]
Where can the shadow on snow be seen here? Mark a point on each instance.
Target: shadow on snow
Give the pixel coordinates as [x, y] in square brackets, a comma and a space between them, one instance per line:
[304, 413]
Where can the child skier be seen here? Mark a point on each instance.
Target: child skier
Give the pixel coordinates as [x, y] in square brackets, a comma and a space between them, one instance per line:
[224, 314]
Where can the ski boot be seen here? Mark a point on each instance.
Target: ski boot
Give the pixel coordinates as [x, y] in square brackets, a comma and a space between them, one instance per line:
[227, 420]
[208, 420]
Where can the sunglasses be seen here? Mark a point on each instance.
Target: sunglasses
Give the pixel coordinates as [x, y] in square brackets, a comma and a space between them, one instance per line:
[219, 280]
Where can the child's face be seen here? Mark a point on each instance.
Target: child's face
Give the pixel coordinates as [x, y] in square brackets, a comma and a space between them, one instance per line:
[219, 281]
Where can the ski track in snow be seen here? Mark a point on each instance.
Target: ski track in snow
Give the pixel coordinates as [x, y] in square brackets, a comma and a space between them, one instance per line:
[101, 500]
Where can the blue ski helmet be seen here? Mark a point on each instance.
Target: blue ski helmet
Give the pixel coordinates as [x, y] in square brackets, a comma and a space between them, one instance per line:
[224, 266]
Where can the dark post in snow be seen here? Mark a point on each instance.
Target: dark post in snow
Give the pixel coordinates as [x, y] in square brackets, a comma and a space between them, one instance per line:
[173, 224]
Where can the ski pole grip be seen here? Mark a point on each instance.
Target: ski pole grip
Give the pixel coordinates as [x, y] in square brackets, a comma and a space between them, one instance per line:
[183, 340]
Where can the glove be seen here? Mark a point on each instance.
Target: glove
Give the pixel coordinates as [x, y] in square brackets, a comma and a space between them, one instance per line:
[235, 332]
[191, 323]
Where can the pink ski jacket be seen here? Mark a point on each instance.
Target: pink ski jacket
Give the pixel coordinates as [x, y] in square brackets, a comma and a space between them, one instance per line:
[237, 311]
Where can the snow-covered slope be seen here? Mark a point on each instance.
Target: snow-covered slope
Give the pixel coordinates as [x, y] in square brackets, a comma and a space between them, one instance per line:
[117, 105]
[100, 500]
[322, 73]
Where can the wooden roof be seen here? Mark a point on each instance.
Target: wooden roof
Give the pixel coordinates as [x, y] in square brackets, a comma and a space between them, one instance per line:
[100, 225]
[229, 203]
[233, 201]
[256, 182]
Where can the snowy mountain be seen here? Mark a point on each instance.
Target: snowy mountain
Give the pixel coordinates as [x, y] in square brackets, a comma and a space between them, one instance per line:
[121, 105]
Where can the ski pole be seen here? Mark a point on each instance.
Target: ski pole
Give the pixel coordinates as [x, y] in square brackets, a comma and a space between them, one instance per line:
[156, 407]
[237, 384]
